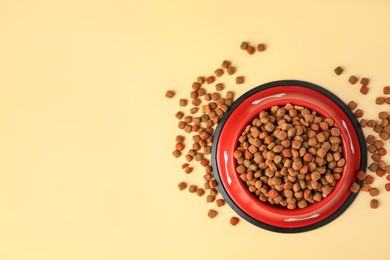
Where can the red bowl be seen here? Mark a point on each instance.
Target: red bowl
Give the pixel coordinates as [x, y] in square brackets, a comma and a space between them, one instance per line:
[242, 112]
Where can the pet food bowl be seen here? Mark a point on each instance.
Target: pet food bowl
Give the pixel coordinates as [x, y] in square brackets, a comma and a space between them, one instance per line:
[235, 191]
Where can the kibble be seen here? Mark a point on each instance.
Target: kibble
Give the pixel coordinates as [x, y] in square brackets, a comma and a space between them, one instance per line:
[210, 79]
[354, 187]
[250, 50]
[183, 102]
[212, 213]
[234, 221]
[225, 64]
[380, 100]
[192, 188]
[374, 203]
[274, 130]
[210, 198]
[220, 202]
[170, 93]
[386, 90]
[231, 70]
[352, 105]
[338, 70]
[219, 72]
[373, 192]
[364, 81]
[182, 185]
[200, 192]
[353, 79]
[364, 90]
[261, 47]
[244, 45]
[239, 80]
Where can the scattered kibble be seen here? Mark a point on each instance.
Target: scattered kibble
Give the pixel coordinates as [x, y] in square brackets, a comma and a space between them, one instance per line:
[231, 70]
[261, 47]
[338, 70]
[182, 185]
[354, 187]
[170, 94]
[183, 102]
[220, 202]
[244, 46]
[234, 221]
[386, 90]
[225, 64]
[374, 203]
[364, 81]
[374, 192]
[364, 90]
[353, 79]
[250, 50]
[352, 105]
[212, 213]
[240, 80]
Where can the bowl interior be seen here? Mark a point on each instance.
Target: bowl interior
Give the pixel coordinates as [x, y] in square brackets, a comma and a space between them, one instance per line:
[242, 113]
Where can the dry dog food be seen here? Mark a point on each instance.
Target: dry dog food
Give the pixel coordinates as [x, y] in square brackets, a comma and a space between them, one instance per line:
[261, 47]
[386, 90]
[374, 203]
[364, 81]
[285, 157]
[182, 185]
[170, 94]
[244, 45]
[234, 221]
[338, 70]
[240, 80]
[212, 213]
[250, 50]
[353, 79]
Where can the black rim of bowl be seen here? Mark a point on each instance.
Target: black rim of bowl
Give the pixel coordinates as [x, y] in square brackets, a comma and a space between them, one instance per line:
[337, 100]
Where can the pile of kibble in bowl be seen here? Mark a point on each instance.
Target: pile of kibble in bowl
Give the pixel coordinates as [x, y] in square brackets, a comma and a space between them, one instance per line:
[288, 156]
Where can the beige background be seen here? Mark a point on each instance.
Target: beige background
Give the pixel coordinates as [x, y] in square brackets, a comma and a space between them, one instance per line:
[86, 134]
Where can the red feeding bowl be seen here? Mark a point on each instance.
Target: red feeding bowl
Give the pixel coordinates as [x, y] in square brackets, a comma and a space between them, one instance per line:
[242, 112]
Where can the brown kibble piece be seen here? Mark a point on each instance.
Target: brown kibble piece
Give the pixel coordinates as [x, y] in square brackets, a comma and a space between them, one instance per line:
[374, 203]
[369, 179]
[386, 90]
[239, 80]
[373, 192]
[225, 64]
[219, 87]
[358, 113]
[354, 187]
[220, 202]
[210, 198]
[210, 79]
[219, 72]
[176, 153]
[261, 47]
[353, 79]
[231, 70]
[380, 100]
[387, 186]
[364, 81]
[192, 188]
[212, 213]
[183, 102]
[234, 221]
[338, 70]
[244, 45]
[179, 115]
[364, 90]
[361, 175]
[182, 185]
[200, 192]
[170, 93]
[352, 105]
[250, 50]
